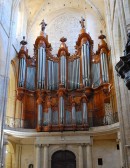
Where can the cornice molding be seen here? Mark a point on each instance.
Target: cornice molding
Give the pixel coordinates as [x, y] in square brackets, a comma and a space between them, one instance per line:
[93, 131]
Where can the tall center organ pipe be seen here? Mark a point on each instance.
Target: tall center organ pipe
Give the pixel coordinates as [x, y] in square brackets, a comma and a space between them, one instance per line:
[85, 53]
[22, 70]
[104, 68]
[63, 70]
[41, 66]
[61, 110]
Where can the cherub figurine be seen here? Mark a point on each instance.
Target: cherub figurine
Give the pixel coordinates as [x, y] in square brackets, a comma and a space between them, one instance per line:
[82, 22]
[43, 25]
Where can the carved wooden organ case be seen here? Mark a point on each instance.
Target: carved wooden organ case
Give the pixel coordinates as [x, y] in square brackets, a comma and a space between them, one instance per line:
[63, 92]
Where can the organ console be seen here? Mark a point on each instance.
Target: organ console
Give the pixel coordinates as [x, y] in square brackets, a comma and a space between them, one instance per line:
[63, 92]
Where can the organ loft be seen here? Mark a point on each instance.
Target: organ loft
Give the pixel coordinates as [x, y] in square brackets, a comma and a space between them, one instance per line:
[63, 92]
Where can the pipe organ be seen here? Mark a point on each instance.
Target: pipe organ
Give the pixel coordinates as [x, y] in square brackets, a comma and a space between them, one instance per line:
[63, 92]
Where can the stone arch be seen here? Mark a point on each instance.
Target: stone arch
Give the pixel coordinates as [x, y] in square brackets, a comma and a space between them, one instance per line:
[63, 147]
[13, 112]
[12, 85]
[63, 157]
[10, 155]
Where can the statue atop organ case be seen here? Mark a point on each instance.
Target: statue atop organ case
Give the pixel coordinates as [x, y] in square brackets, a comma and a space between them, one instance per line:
[66, 92]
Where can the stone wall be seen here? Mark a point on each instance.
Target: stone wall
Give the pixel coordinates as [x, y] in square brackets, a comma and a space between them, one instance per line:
[9, 43]
[117, 14]
[87, 150]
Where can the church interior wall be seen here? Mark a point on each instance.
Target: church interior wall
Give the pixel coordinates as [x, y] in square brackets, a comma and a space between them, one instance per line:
[103, 147]
[107, 151]
[117, 26]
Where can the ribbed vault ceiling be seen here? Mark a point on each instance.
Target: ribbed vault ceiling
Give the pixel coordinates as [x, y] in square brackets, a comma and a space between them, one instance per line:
[35, 7]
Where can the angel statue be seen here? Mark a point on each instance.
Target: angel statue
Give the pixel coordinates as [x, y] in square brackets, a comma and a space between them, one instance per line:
[43, 25]
[82, 22]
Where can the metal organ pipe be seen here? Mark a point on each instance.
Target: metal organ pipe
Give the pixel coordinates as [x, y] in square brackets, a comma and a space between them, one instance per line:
[84, 113]
[86, 64]
[40, 114]
[41, 68]
[70, 74]
[73, 115]
[104, 67]
[49, 116]
[76, 73]
[22, 70]
[19, 83]
[78, 76]
[82, 55]
[49, 72]
[55, 74]
[52, 74]
[73, 71]
[61, 110]
[44, 66]
[63, 70]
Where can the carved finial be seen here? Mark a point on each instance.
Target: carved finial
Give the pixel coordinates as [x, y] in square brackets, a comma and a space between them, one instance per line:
[102, 36]
[63, 39]
[23, 42]
[43, 25]
[82, 22]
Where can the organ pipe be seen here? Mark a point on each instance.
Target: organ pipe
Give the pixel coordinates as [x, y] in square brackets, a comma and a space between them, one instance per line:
[61, 110]
[49, 112]
[49, 116]
[22, 70]
[40, 114]
[84, 113]
[104, 68]
[73, 114]
[82, 55]
[41, 68]
[85, 54]
[63, 70]
[55, 74]
[52, 74]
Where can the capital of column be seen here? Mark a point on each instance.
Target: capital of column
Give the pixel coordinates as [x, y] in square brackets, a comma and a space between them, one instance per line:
[45, 145]
[38, 145]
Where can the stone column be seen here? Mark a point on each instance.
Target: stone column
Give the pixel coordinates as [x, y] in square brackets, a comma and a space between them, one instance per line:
[38, 156]
[5, 143]
[80, 156]
[18, 155]
[45, 160]
[89, 155]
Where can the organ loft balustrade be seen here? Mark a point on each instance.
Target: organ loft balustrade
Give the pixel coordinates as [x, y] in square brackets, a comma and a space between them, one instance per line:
[64, 92]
